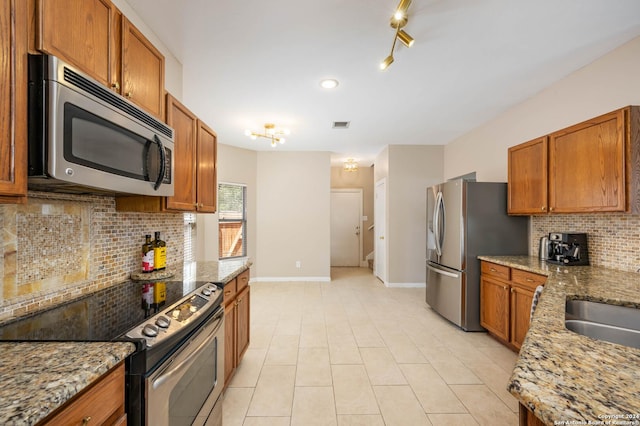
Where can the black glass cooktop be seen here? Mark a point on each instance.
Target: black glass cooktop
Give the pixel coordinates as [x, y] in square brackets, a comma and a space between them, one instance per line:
[101, 316]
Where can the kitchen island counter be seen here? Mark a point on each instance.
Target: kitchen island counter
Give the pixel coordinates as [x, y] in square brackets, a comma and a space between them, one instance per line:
[566, 378]
[39, 377]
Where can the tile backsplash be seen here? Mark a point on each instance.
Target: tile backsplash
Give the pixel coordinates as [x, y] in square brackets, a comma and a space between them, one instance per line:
[59, 246]
[613, 238]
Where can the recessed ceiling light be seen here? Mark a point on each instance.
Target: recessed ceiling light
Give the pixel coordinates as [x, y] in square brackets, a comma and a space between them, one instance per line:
[329, 83]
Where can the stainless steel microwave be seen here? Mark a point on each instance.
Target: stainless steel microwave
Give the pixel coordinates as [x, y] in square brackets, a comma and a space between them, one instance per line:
[84, 138]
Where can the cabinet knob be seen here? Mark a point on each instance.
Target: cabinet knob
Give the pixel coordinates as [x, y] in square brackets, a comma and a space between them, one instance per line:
[550, 209]
[129, 95]
[228, 292]
[86, 420]
[513, 290]
[543, 208]
[506, 287]
[115, 85]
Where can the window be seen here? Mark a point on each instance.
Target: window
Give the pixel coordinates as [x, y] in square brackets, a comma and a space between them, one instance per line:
[232, 220]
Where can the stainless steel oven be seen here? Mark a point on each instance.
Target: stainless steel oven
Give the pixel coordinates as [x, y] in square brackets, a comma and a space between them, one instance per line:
[177, 379]
[186, 387]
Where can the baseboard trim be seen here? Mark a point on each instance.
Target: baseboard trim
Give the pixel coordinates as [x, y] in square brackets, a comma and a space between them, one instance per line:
[289, 279]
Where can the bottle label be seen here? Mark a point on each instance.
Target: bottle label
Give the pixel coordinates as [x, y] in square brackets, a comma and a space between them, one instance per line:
[148, 261]
[160, 257]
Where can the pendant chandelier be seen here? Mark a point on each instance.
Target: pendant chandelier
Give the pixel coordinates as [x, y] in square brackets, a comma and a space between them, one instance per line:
[271, 132]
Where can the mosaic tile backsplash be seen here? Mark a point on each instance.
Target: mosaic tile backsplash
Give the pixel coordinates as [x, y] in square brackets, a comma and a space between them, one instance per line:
[57, 247]
[613, 238]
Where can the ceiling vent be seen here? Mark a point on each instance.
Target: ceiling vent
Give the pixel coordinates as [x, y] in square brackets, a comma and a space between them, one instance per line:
[341, 124]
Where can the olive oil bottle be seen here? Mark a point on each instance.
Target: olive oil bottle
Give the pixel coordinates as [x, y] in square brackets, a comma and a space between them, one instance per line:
[148, 255]
[160, 253]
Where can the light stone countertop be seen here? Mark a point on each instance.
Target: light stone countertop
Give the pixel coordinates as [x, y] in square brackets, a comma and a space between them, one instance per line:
[567, 378]
[38, 377]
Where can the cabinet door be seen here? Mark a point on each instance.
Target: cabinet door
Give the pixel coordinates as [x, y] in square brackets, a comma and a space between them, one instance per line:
[207, 185]
[79, 32]
[527, 181]
[587, 166]
[229, 342]
[494, 307]
[521, 299]
[13, 101]
[142, 71]
[184, 124]
[103, 403]
[243, 308]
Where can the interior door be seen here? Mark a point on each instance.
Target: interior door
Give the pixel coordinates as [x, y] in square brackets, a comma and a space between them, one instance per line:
[346, 235]
[379, 218]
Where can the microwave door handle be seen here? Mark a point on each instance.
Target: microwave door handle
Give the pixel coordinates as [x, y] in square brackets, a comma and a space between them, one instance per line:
[163, 166]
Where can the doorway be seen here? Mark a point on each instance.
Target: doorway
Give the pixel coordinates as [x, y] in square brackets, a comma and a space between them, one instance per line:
[379, 218]
[346, 227]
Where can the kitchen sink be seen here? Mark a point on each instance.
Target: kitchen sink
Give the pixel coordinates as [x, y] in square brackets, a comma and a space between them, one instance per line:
[612, 323]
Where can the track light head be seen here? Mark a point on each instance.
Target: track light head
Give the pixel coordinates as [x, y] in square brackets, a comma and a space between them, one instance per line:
[405, 38]
[385, 64]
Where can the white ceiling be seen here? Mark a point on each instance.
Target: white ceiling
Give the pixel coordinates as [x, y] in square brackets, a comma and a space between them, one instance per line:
[249, 62]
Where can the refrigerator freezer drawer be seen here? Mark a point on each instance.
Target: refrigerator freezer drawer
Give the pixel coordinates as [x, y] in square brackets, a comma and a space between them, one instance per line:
[445, 293]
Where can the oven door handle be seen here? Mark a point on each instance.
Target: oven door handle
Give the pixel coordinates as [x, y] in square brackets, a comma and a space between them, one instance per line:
[167, 375]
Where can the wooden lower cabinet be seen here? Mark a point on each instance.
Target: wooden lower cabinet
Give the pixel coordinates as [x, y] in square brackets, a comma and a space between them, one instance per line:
[527, 418]
[100, 404]
[237, 305]
[505, 301]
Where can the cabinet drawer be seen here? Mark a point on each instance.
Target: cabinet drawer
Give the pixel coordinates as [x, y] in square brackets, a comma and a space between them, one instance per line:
[527, 279]
[102, 403]
[494, 270]
[230, 289]
[243, 280]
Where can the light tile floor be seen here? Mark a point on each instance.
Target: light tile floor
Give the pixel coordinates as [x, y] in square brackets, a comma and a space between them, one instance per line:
[353, 352]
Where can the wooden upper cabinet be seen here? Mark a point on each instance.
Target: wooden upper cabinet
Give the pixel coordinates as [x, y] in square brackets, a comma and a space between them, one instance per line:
[194, 159]
[142, 70]
[95, 37]
[593, 166]
[527, 164]
[13, 101]
[587, 166]
[79, 32]
[185, 126]
[206, 169]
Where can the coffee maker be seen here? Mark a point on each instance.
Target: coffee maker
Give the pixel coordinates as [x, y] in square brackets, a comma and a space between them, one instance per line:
[568, 249]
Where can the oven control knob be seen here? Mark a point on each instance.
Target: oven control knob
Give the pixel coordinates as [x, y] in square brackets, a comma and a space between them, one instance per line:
[163, 322]
[206, 292]
[150, 330]
[212, 287]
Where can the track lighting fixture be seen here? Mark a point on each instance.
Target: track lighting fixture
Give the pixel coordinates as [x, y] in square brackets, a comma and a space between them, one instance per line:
[398, 21]
[270, 132]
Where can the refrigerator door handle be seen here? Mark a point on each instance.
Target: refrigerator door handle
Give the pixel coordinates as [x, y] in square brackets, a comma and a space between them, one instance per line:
[437, 212]
[440, 271]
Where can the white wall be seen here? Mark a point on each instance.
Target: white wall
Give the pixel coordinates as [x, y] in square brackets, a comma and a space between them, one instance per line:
[608, 83]
[409, 170]
[293, 217]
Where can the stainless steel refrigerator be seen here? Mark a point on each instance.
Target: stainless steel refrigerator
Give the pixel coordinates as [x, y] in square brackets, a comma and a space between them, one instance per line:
[464, 220]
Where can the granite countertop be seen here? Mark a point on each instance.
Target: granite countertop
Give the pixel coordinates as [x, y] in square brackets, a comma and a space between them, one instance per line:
[221, 272]
[567, 378]
[38, 377]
